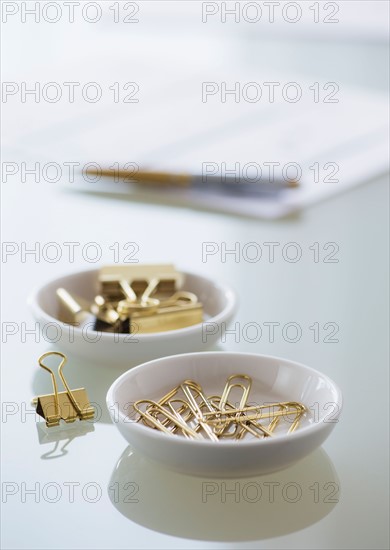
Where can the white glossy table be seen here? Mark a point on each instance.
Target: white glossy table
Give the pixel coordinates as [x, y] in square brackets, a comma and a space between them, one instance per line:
[95, 492]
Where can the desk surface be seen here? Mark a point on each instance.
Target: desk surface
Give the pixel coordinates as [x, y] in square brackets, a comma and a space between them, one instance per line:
[88, 489]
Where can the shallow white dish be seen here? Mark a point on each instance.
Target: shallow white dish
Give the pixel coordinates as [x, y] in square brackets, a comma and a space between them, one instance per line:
[274, 379]
[219, 303]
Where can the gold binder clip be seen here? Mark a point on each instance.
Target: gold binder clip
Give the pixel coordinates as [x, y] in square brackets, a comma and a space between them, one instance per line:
[168, 318]
[75, 310]
[132, 303]
[71, 309]
[67, 405]
[164, 279]
[179, 310]
[141, 299]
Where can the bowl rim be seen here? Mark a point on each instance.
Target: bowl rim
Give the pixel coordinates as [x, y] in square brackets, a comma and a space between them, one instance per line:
[159, 436]
[228, 311]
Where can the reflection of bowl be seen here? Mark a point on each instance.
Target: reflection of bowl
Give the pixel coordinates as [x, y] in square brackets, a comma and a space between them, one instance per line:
[274, 379]
[219, 304]
[253, 508]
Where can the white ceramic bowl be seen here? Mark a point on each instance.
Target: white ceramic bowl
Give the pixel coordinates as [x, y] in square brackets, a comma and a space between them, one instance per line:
[274, 379]
[219, 303]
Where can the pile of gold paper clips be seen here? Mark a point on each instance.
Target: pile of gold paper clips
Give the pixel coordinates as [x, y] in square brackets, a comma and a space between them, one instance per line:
[185, 410]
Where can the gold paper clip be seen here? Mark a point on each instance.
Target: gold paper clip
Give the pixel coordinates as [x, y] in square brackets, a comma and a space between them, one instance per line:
[191, 392]
[196, 416]
[67, 405]
[232, 382]
[166, 415]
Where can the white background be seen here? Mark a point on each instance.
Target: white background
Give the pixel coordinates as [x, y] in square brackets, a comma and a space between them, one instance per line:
[169, 53]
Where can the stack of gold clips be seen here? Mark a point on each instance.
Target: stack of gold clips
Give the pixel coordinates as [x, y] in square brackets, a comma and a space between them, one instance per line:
[135, 299]
[186, 411]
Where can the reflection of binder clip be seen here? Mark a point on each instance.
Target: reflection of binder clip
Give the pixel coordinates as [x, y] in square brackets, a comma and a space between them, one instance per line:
[67, 405]
[63, 435]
